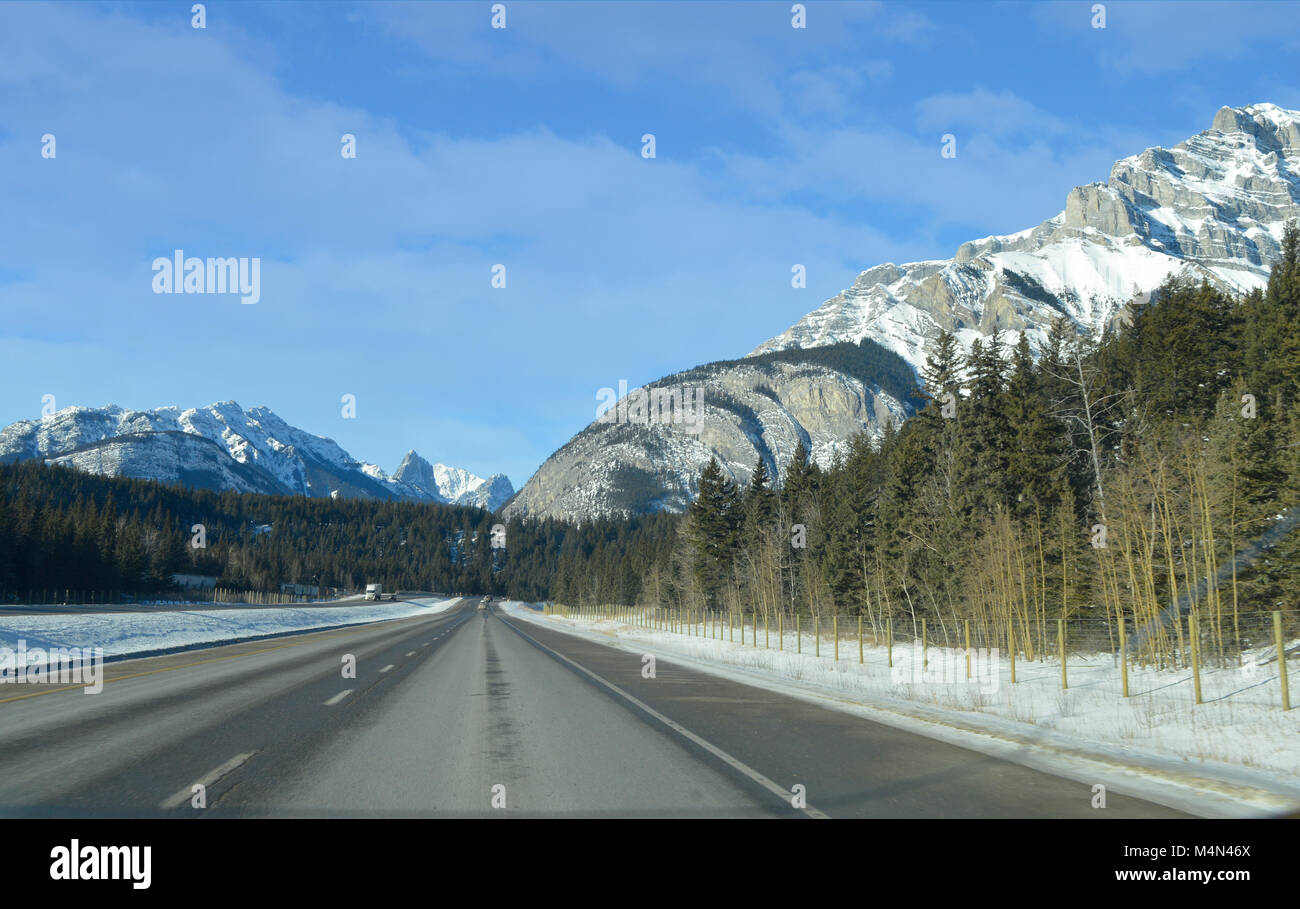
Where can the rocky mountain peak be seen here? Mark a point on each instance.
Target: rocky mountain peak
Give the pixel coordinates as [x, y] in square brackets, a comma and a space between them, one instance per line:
[1211, 207]
[1273, 128]
[416, 471]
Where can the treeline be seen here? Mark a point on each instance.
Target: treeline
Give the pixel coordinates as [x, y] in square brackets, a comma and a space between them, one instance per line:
[867, 360]
[1104, 480]
[62, 531]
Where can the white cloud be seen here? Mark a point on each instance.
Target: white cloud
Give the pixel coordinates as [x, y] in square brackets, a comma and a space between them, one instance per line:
[1150, 38]
[995, 113]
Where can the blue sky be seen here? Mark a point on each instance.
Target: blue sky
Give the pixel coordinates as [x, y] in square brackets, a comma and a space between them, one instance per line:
[521, 146]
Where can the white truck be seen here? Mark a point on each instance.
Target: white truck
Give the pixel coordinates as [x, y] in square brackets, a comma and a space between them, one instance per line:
[374, 591]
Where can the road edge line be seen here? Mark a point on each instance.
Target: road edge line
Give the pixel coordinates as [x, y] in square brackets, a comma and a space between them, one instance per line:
[729, 760]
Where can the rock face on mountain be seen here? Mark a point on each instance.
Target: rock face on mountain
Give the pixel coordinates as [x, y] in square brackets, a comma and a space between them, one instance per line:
[1212, 207]
[490, 494]
[416, 472]
[222, 447]
[751, 408]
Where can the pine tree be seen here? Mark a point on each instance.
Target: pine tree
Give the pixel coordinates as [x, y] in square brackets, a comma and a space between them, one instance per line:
[169, 557]
[758, 504]
[713, 531]
[982, 477]
[942, 370]
[1271, 333]
[1036, 456]
[801, 480]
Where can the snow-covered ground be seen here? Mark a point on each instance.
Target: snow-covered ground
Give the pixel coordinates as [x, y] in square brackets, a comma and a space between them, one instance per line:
[1237, 753]
[130, 634]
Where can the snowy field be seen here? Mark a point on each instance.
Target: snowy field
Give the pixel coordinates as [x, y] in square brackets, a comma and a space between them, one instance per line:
[134, 634]
[1238, 742]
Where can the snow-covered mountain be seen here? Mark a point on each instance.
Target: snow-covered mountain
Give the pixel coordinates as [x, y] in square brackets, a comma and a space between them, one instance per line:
[222, 446]
[452, 484]
[1212, 207]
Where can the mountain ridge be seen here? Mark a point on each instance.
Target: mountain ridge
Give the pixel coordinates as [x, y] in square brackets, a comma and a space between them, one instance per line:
[222, 446]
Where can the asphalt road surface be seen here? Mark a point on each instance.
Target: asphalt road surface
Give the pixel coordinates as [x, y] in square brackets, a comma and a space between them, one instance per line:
[471, 713]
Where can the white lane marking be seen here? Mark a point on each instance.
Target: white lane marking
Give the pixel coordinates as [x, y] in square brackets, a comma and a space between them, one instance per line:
[386, 668]
[207, 781]
[338, 697]
[784, 794]
[412, 653]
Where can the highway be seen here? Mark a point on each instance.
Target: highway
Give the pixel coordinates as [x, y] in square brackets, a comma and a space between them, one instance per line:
[471, 713]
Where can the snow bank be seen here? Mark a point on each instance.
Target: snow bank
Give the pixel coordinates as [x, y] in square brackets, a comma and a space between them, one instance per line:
[135, 634]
